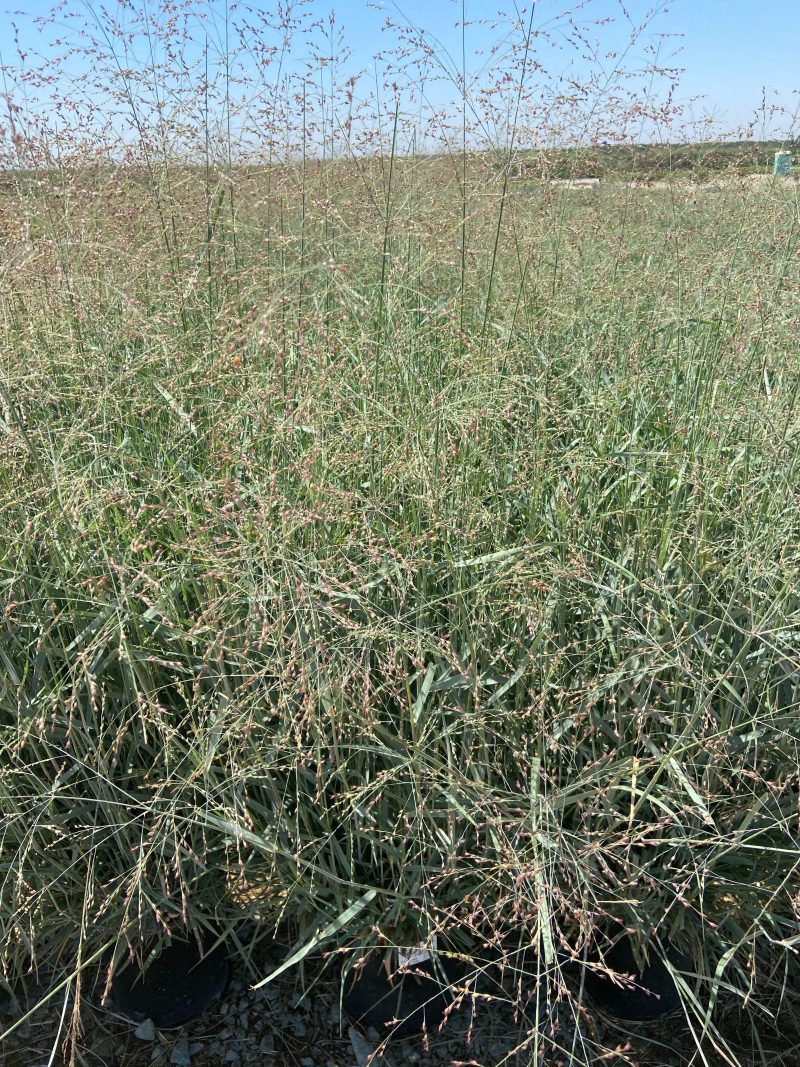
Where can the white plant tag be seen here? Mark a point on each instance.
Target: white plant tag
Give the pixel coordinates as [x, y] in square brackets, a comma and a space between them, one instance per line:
[412, 957]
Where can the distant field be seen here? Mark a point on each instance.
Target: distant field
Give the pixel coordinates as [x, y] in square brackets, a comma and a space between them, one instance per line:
[653, 161]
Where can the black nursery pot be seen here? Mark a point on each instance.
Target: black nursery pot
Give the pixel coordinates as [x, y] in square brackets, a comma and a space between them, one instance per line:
[172, 989]
[655, 993]
[413, 999]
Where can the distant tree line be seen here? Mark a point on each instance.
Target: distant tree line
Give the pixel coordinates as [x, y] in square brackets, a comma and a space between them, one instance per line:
[649, 161]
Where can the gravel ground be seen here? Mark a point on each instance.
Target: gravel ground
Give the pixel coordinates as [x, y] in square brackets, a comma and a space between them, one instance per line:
[276, 1025]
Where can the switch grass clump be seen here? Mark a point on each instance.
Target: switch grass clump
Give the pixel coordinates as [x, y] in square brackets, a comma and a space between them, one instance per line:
[388, 550]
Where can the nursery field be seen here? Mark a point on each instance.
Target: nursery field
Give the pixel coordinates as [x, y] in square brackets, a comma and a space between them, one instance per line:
[392, 550]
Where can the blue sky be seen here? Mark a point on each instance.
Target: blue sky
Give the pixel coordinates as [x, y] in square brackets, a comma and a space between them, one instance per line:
[732, 50]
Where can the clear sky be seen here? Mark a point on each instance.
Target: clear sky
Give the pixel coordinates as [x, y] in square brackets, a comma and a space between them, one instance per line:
[733, 51]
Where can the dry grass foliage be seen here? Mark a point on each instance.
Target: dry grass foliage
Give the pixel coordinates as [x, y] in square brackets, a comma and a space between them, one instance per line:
[389, 545]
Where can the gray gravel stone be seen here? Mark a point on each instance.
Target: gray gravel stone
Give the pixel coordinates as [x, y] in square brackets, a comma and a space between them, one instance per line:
[180, 1056]
[361, 1047]
[145, 1031]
